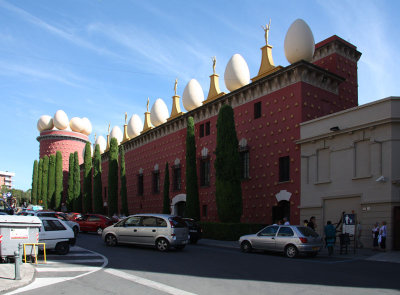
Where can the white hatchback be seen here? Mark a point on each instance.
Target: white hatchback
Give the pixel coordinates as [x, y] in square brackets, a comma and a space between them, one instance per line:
[56, 234]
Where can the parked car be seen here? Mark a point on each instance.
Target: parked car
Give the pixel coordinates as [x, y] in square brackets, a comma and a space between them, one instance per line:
[289, 239]
[72, 224]
[56, 234]
[73, 216]
[94, 223]
[159, 230]
[195, 231]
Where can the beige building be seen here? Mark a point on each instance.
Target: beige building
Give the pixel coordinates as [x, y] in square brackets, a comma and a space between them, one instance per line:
[6, 178]
[351, 162]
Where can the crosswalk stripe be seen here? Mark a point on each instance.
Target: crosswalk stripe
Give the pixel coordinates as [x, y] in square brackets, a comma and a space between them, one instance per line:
[76, 261]
[66, 269]
[148, 283]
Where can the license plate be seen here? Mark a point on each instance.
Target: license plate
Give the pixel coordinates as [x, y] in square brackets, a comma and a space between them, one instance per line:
[315, 248]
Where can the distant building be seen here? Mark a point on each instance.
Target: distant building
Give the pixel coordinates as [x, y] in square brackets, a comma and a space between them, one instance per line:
[6, 178]
[350, 163]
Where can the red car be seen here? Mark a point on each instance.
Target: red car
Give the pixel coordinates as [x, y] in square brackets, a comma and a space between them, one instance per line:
[94, 222]
[73, 216]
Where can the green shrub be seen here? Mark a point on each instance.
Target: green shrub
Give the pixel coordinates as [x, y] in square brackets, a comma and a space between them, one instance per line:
[228, 231]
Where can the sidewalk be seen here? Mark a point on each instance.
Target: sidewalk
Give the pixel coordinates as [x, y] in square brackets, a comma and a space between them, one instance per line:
[367, 254]
[7, 275]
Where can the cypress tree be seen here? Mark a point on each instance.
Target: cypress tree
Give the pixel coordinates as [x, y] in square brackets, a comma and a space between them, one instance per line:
[97, 183]
[45, 181]
[113, 177]
[77, 185]
[192, 190]
[35, 182]
[123, 191]
[59, 181]
[70, 197]
[40, 180]
[166, 207]
[228, 188]
[87, 179]
[52, 182]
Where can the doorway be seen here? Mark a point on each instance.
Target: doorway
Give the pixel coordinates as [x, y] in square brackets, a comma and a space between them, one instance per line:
[180, 208]
[396, 228]
[281, 211]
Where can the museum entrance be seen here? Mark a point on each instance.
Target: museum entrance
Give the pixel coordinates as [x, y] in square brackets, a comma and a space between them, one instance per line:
[281, 211]
[180, 208]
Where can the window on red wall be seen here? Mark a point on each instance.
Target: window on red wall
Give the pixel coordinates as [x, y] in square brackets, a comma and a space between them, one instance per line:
[140, 185]
[257, 110]
[201, 131]
[284, 169]
[204, 129]
[204, 211]
[177, 177]
[205, 172]
[207, 127]
[156, 182]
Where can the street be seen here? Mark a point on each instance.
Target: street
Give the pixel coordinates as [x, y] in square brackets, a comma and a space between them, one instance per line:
[200, 269]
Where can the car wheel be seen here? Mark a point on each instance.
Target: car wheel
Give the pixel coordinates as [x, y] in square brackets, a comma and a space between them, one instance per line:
[76, 231]
[291, 251]
[180, 247]
[162, 245]
[99, 230]
[245, 246]
[111, 240]
[62, 248]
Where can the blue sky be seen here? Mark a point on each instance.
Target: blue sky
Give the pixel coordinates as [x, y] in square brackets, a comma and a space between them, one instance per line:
[102, 58]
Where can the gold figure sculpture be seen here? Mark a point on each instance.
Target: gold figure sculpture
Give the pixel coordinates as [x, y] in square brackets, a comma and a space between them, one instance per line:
[126, 117]
[266, 30]
[95, 135]
[109, 128]
[214, 60]
[176, 85]
[148, 101]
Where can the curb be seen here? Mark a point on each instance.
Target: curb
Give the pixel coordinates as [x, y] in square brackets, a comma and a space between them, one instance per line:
[10, 289]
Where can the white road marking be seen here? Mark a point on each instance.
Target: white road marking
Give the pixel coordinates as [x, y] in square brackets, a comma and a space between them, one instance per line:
[76, 254]
[75, 261]
[42, 282]
[148, 283]
[66, 269]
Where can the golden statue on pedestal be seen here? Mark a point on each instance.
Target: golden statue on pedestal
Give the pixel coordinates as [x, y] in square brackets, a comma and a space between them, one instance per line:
[266, 30]
[176, 85]
[214, 60]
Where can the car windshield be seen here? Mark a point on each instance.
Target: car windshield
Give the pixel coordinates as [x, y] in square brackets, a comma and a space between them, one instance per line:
[177, 222]
[307, 232]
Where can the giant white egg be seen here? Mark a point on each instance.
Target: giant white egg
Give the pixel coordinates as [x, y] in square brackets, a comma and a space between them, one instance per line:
[116, 133]
[91, 151]
[87, 126]
[102, 143]
[159, 112]
[45, 122]
[135, 126]
[76, 124]
[60, 120]
[299, 42]
[237, 73]
[193, 95]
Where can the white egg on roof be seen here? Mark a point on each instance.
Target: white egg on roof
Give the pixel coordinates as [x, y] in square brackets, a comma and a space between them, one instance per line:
[45, 122]
[76, 124]
[87, 126]
[60, 120]
[135, 126]
[102, 143]
[84, 149]
[299, 42]
[159, 112]
[237, 73]
[193, 95]
[116, 133]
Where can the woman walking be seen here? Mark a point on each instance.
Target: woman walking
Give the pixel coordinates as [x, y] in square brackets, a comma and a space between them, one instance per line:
[375, 234]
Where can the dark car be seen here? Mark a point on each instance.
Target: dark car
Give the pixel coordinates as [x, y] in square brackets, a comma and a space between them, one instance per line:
[4, 207]
[195, 231]
[94, 223]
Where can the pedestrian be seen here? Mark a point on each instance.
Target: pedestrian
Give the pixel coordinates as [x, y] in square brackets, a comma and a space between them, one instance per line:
[63, 208]
[311, 223]
[375, 234]
[358, 235]
[305, 222]
[285, 221]
[330, 236]
[382, 234]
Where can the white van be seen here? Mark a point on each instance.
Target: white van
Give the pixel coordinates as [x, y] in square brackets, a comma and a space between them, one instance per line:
[56, 234]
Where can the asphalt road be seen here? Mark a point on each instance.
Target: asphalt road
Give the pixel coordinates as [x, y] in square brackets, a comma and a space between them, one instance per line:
[209, 270]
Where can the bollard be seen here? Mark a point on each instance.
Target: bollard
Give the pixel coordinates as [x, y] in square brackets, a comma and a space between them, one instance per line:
[17, 265]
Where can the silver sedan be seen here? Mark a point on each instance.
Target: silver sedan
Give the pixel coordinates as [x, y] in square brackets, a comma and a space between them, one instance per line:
[288, 239]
